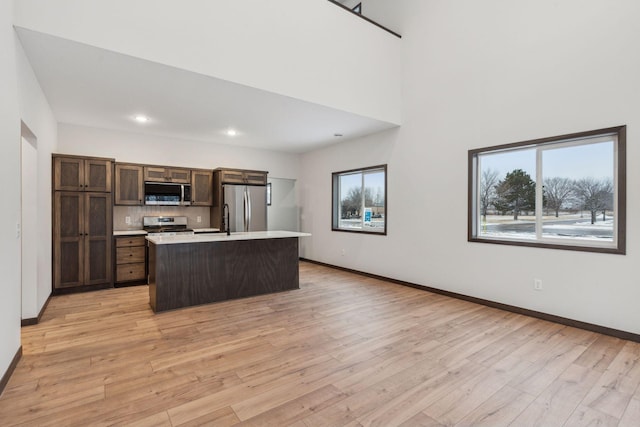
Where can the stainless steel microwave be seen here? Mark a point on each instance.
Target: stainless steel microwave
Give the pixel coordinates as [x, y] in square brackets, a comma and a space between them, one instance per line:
[167, 194]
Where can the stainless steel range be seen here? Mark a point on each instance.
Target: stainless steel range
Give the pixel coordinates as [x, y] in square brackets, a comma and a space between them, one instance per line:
[165, 225]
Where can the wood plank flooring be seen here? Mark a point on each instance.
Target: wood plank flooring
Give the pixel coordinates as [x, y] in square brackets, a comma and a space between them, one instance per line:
[343, 350]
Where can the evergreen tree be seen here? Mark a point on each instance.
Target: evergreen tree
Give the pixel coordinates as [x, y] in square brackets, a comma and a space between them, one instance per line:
[516, 193]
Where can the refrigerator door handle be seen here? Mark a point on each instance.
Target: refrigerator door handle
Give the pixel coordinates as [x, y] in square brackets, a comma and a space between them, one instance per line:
[248, 210]
[245, 206]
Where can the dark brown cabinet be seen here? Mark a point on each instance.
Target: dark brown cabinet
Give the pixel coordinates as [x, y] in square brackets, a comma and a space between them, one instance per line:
[82, 221]
[236, 176]
[129, 186]
[167, 174]
[81, 174]
[82, 239]
[130, 259]
[223, 176]
[201, 187]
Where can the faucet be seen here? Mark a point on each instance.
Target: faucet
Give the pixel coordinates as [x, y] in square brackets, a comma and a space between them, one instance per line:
[225, 219]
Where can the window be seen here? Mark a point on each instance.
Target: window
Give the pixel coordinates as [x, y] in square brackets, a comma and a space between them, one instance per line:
[566, 192]
[359, 200]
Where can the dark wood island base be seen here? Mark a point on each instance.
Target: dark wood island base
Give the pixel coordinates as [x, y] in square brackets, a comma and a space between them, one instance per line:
[187, 274]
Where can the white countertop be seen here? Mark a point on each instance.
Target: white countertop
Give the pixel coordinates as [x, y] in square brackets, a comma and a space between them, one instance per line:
[206, 230]
[130, 233]
[221, 237]
[144, 233]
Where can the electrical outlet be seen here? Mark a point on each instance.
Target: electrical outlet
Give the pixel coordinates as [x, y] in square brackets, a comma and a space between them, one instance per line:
[18, 230]
[537, 284]
[127, 220]
[198, 218]
[343, 252]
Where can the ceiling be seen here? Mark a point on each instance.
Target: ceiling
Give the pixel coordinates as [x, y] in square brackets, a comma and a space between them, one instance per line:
[94, 87]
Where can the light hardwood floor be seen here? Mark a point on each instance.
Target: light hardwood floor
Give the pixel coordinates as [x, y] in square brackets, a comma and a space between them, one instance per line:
[342, 350]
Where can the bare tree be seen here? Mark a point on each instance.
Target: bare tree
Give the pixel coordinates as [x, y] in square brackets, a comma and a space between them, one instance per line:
[351, 205]
[595, 195]
[557, 192]
[488, 183]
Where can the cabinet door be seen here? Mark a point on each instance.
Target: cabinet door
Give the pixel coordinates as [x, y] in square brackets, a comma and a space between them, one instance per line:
[201, 188]
[68, 174]
[232, 177]
[255, 178]
[68, 255]
[97, 175]
[180, 176]
[129, 185]
[98, 236]
[155, 174]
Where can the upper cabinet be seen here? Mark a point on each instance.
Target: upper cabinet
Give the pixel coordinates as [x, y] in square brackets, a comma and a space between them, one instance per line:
[82, 174]
[129, 184]
[167, 174]
[238, 176]
[201, 187]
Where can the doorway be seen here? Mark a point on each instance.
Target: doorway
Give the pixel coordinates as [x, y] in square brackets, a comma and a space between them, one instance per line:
[283, 212]
[27, 229]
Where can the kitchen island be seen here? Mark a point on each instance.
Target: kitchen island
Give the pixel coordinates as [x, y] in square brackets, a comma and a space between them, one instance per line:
[199, 269]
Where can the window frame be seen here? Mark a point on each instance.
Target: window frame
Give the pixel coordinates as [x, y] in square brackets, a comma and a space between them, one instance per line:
[620, 190]
[335, 200]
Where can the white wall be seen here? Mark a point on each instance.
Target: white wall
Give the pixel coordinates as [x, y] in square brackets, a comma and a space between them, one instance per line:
[284, 211]
[148, 149]
[311, 50]
[478, 74]
[41, 128]
[386, 13]
[29, 227]
[10, 176]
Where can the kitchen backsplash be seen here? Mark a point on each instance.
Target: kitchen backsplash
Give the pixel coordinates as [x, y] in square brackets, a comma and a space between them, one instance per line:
[120, 214]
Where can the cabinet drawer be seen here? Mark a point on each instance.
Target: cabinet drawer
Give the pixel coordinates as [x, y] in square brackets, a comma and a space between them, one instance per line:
[130, 241]
[127, 272]
[129, 255]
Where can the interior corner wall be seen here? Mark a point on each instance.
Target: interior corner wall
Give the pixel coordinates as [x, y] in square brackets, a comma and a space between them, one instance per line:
[37, 116]
[386, 13]
[10, 176]
[150, 149]
[478, 74]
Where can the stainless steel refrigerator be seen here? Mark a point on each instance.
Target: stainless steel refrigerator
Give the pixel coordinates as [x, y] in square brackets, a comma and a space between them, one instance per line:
[247, 207]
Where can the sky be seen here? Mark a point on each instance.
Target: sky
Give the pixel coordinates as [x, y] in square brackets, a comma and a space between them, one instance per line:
[372, 180]
[593, 160]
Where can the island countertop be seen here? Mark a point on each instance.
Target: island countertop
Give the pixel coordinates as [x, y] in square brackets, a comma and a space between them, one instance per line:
[222, 237]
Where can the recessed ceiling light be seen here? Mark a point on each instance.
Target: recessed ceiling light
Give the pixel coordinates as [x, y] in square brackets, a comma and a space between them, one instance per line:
[141, 119]
[231, 132]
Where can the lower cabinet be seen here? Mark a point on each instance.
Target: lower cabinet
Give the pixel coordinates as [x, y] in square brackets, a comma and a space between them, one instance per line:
[82, 239]
[130, 259]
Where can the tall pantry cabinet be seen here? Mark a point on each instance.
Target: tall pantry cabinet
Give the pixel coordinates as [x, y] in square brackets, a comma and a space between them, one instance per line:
[82, 221]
